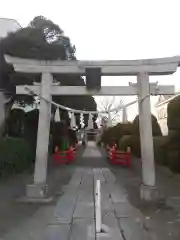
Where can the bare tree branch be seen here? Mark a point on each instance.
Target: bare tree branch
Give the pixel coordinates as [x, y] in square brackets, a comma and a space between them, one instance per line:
[110, 105]
[106, 104]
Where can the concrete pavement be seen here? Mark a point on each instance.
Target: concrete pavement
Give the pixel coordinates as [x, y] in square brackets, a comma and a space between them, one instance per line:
[124, 216]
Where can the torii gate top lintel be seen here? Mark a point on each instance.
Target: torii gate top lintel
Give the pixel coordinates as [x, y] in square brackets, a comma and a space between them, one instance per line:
[156, 66]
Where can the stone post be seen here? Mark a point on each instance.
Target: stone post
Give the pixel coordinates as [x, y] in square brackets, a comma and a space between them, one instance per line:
[148, 189]
[39, 189]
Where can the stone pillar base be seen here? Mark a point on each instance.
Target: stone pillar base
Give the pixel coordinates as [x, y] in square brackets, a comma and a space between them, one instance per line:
[36, 190]
[36, 193]
[148, 193]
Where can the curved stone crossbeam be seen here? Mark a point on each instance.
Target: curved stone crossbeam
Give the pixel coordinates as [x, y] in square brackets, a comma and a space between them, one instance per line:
[156, 66]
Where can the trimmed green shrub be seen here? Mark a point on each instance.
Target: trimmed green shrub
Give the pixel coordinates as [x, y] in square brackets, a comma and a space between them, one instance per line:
[16, 155]
[133, 141]
[173, 122]
[122, 129]
[156, 130]
[124, 142]
[173, 152]
[160, 149]
[136, 145]
[173, 160]
[114, 134]
[173, 114]
[108, 135]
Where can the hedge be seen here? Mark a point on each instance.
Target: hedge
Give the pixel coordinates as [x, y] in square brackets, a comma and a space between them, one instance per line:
[160, 149]
[173, 160]
[173, 114]
[173, 123]
[124, 142]
[160, 146]
[16, 155]
[132, 141]
[115, 133]
[156, 130]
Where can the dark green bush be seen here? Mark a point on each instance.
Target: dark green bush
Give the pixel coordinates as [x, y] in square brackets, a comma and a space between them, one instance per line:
[173, 159]
[173, 114]
[124, 142]
[133, 141]
[173, 122]
[122, 129]
[16, 155]
[160, 149]
[136, 145]
[156, 130]
[115, 133]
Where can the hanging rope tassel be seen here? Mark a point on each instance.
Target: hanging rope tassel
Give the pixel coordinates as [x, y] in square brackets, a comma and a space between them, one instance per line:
[82, 120]
[57, 115]
[73, 121]
[90, 122]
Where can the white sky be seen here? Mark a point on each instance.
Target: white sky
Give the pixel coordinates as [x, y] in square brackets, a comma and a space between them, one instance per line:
[115, 29]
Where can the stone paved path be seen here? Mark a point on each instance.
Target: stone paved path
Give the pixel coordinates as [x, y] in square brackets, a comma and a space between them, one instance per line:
[73, 215]
[91, 151]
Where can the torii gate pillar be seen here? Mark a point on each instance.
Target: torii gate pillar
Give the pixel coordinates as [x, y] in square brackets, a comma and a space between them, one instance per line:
[39, 187]
[148, 190]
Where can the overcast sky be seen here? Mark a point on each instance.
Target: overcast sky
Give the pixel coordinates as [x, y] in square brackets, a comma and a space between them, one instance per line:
[115, 29]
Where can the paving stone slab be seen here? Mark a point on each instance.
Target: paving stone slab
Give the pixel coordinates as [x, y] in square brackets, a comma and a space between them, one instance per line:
[98, 175]
[85, 196]
[106, 206]
[111, 227]
[126, 210]
[76, 177]
[107, 188]
[69, 194]
[88, 180]
[133, 229]
[34, 230]
[44, 214]
[84, 210]
[91, 152]
[64, 209]
[108, 175]
[70, 189]
[87, 172]
[18, 234]
[118, 194]
[87, 175]
[87, 183]
[75, 181]
[30, 230]
[163, 225]
[106, 202]
[57, 232]
[83, 229]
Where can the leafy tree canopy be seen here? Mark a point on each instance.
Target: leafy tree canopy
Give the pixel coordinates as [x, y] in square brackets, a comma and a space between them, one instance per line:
[42, 40]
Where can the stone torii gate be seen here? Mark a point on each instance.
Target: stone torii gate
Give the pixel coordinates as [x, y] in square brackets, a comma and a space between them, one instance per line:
[142, 69]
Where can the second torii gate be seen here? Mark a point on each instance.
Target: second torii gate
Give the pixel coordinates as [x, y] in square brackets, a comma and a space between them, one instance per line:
[142, 69]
